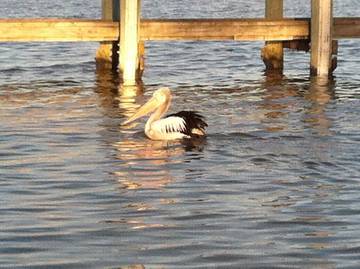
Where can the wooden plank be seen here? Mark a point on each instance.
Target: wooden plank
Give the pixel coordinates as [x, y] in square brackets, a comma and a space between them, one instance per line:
[239, 29]
[346, 28]
[25, 30]
[272, 53]
[129, 40]
[57, 30]
[224, 29]
[321, 37]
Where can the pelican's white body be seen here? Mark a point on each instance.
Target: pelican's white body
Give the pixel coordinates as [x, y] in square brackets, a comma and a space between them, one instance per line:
[158, 128]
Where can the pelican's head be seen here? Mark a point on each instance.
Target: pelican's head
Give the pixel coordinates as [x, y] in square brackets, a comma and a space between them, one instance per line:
[162, 94]
[159, 97]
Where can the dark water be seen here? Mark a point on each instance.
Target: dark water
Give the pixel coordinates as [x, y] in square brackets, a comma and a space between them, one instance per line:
[276, 184]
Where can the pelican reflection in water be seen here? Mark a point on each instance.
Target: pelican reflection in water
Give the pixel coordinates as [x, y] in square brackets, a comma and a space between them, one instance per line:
[184, 124]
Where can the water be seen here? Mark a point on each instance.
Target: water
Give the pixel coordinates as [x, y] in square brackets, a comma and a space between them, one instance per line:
[274, 185]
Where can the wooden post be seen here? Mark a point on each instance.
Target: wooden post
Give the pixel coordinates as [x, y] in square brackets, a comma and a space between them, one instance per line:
[107, 55]
[273, 52]
[321, 37]
[129, 41]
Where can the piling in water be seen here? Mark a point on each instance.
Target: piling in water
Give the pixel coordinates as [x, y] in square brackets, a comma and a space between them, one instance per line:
[122, 29]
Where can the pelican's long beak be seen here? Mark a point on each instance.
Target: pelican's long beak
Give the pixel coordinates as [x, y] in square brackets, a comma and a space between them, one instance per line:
[148, 107]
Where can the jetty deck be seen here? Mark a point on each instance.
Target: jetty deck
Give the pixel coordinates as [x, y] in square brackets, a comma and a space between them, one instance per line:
[122, 27]
[74, 30]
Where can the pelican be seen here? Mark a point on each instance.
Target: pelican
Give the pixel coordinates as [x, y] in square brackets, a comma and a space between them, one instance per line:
[184, 124]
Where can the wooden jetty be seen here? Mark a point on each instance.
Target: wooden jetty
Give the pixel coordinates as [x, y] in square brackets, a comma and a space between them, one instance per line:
[122, 27]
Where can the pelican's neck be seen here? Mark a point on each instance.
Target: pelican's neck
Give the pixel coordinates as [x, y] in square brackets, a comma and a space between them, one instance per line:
[159, 112]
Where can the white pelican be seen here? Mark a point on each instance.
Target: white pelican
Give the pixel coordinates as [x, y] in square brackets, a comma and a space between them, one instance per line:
[184, 124]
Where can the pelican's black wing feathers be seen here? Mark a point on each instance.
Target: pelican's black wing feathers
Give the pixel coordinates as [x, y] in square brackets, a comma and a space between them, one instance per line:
[193, 120]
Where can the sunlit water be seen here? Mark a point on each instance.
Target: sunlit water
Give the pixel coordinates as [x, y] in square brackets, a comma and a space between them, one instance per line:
[275, 184]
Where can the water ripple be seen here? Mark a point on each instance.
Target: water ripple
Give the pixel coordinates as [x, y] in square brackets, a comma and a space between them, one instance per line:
[273, 185]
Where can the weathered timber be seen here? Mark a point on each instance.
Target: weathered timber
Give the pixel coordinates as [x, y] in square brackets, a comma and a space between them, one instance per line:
[345, 28]
[66, 30]
[321, 37]
[141, 62]
[107, 55]
[71, 30]
[129, 41]
[224, 29]
[272, 53]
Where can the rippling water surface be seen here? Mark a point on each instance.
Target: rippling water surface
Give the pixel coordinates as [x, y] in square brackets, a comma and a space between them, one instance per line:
[275, 184]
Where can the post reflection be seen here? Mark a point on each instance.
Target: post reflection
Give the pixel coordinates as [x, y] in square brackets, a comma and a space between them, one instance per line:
[107, 90]
[128, 99]
[319, 94]
[278, 101]
[145, 163]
